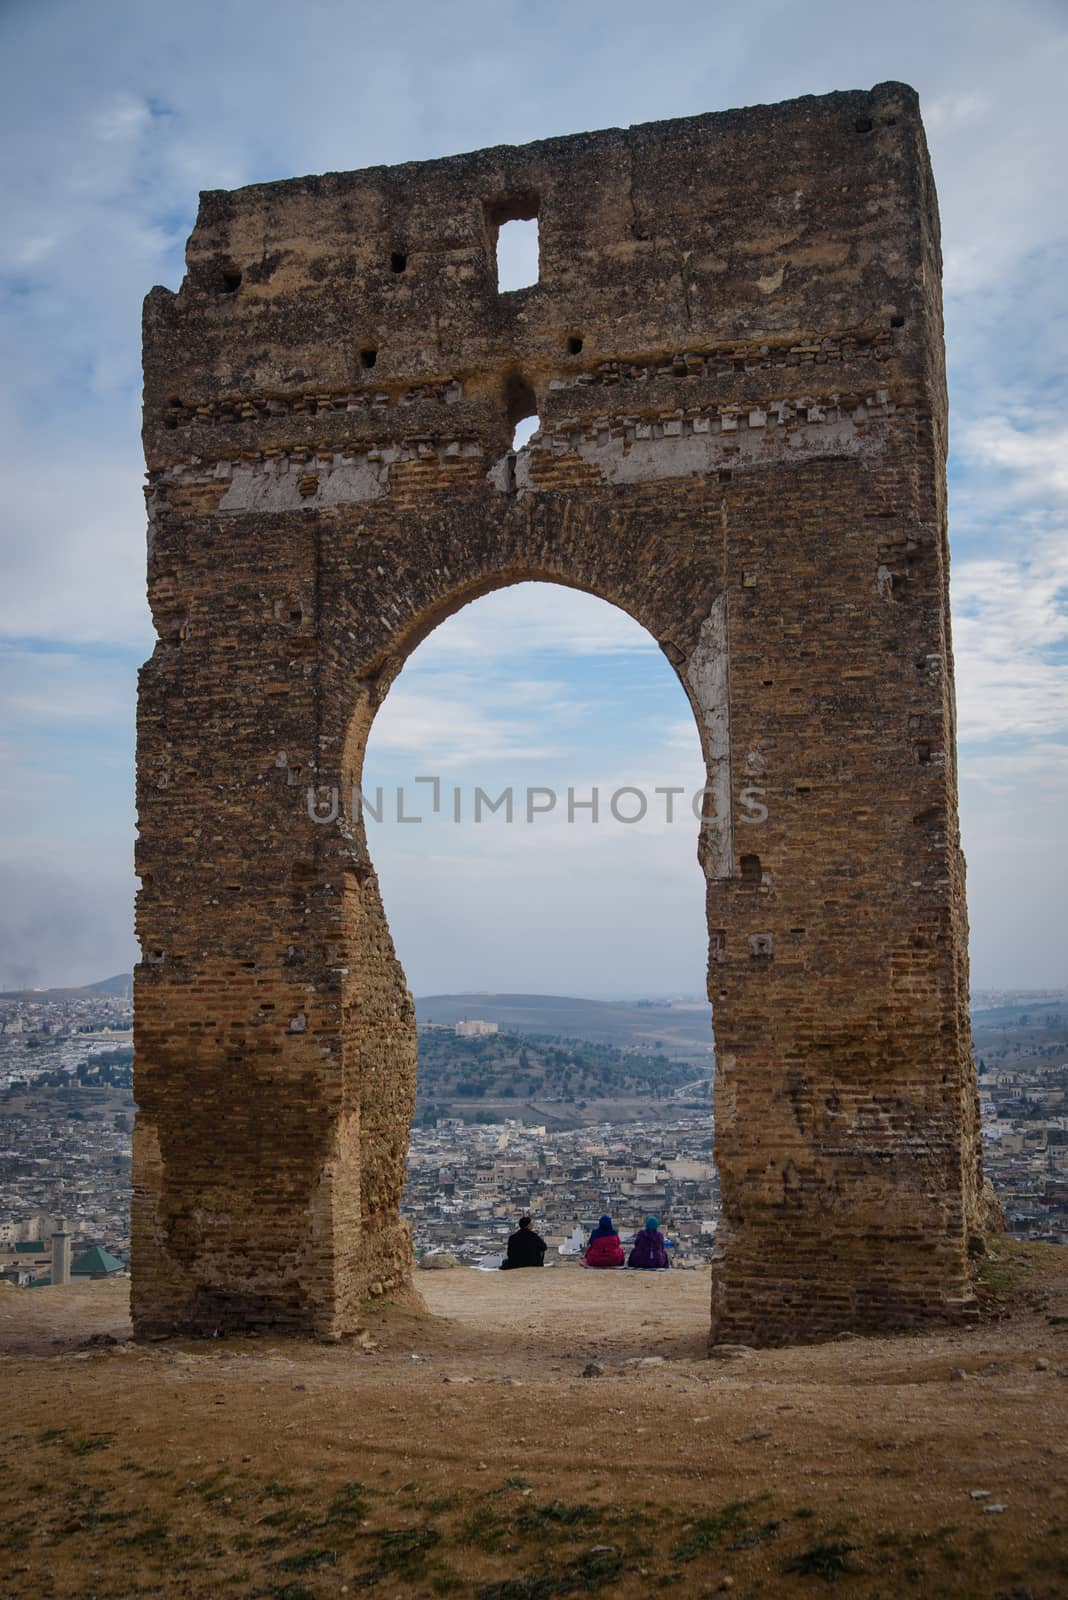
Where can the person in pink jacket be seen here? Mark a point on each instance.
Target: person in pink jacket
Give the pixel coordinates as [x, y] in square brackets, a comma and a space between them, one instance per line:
[604, 1248]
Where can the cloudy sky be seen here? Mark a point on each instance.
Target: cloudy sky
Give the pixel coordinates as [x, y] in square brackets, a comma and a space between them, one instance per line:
[114, 114]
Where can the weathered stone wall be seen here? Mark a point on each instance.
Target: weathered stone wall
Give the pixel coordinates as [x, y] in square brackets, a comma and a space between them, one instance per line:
[735, 352]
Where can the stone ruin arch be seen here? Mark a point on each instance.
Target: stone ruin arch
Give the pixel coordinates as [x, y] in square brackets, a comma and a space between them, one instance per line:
[735, 351]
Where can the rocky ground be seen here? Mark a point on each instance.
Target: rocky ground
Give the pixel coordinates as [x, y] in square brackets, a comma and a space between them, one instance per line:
[464, 1452]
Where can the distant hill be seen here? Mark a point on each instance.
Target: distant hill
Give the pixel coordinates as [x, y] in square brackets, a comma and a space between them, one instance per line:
[534, 1078]
[681, 1029]
[121, 986]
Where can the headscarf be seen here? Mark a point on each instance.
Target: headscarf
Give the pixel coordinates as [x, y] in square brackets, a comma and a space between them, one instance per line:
[652, 1224]
[603, 1230]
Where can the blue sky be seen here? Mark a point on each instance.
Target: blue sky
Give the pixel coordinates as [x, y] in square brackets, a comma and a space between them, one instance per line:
[114, 115]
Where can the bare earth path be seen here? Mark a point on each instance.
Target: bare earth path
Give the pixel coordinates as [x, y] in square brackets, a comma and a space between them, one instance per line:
[466, 1454]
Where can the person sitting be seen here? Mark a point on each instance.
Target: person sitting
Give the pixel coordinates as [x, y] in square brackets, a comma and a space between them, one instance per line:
[604, 1248]
[525, 1247]
[649, 1250]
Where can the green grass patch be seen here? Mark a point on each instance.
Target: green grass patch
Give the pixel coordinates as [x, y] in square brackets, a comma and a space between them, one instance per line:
[442, 1503]
[749, 1538]
[1002, 1275]
[305, 1560]
[87, 1444]
[285, 1518]
[547, 1521]
[401, 1553]
[708, 1533]
[827, 1559]
[584, 1575]
[348, 1505]
[152, 1537]
[278, 1491]
[484, 1529]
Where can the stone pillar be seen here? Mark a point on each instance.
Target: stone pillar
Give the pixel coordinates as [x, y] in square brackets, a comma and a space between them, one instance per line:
[60, 1253]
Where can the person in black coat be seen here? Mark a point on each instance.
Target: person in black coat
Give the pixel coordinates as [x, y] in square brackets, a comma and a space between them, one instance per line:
[525, 1247]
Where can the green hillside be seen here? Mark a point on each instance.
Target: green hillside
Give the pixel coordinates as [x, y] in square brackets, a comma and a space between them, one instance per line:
[682, 1029]
[466, 1076]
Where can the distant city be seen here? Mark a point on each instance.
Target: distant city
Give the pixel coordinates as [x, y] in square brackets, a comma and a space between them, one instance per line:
[557, 1106]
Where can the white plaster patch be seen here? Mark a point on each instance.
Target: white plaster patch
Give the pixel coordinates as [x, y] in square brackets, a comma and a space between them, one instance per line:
[680, 448]
[253, 488]
[501, 475]
[708, 680]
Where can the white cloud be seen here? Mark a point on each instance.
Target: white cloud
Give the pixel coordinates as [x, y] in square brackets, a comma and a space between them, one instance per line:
[440, 731]
[123, 120]
[63, 686]
[73, 547]
[1040, 452]
[527, 618]
[1009, 614]
[1041, 767]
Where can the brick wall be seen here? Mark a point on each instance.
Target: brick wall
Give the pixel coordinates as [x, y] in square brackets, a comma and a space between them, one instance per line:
[734, 349]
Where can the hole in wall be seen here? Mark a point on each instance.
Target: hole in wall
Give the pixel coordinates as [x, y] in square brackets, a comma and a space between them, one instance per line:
[923, 753]
[517, 255]
[513, 246]
[520, 408]
[524, 432]
[751, 870]
[398, 261]
[231, 280]
[864, 124]
[368, 357]
[897, 322]
[574, 345]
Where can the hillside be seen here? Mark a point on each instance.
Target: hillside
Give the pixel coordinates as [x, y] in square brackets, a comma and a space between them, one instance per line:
[528, 1076]
[682, 1029]
[466, 1454]
[121, 986]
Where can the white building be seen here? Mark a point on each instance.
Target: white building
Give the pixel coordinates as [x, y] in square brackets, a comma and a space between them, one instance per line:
[476, 1029]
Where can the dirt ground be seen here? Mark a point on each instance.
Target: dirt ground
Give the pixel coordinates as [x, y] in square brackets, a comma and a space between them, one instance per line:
[463, 1452]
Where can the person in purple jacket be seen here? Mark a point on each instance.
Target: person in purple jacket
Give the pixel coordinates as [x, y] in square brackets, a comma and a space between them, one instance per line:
[649, 1249]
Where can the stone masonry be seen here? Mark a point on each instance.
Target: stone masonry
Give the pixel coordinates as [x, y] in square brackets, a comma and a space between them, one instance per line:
[735, 352]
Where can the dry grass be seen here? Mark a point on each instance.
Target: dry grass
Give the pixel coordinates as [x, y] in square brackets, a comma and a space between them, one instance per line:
[490, 1469]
